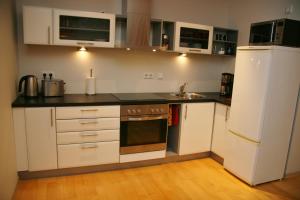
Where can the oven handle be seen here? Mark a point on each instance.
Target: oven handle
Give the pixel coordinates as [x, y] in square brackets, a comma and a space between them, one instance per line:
[146, 118]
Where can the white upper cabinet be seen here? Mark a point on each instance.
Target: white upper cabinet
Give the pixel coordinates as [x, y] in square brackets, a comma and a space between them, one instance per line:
[196, 127]
[37, 25]
[80, 28]
[41, 138]
[193, 38]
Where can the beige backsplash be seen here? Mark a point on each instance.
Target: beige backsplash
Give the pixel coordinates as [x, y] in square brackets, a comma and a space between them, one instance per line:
[118, 70]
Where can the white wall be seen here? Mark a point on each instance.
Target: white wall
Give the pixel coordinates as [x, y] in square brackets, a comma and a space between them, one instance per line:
[210, 12]
[243, 13]
[8, 171]
[121, 71]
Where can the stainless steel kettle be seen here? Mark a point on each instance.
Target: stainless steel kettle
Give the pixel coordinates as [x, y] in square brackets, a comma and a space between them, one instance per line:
[31, 86]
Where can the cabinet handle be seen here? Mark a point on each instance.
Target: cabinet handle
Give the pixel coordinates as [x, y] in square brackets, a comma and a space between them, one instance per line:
[195, 50]
[226, 118]
[89, 110]
[51, 116]
[88, 134]
[86, 43]
[143, 118]
[49, 35]
[186, 112]
[89, 146]
[88, 122]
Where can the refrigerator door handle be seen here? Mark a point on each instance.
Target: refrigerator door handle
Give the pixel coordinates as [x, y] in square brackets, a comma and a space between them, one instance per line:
[241, 136]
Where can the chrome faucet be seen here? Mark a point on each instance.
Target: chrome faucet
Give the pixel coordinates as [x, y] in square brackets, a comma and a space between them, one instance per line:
[182, 88]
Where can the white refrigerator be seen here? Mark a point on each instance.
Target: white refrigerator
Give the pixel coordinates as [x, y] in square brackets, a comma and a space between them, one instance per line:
[265, 91]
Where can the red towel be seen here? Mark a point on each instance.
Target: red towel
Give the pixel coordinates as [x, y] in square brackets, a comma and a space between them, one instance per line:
[175, 115]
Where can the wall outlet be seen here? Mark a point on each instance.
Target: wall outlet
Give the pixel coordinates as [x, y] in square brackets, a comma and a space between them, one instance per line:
[47, 73]
[289, 10]
[148, 75]
[151, 75]
[145, 75]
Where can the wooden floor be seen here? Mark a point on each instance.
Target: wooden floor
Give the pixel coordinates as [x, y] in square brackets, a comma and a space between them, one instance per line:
[198, 179]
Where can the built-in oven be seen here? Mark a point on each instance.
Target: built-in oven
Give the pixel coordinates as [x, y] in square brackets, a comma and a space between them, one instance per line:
[143, 128]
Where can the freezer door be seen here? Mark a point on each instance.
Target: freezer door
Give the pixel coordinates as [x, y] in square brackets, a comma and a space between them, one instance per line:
[249, 92]
[240, 157]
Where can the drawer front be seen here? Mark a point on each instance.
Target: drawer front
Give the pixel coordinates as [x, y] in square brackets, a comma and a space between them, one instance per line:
[88, 136]
[87, 124]
[87, 112]
[76, 155]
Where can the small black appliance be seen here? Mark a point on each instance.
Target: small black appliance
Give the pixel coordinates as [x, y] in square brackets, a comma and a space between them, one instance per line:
[226, 84]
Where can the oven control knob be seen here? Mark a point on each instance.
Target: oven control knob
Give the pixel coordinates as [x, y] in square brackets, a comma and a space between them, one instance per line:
[157, 110]
[139, 110]
[129, 111]
[133, 111]
[152, 110]
[162, 110]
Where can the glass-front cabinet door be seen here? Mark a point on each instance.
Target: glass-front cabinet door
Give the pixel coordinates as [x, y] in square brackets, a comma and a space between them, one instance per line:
[193, 38]
[79, 28]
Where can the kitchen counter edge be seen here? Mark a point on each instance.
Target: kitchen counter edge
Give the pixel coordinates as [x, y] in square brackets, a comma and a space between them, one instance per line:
[110, 99]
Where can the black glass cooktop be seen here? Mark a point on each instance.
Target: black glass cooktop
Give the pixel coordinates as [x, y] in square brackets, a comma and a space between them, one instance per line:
[138, 97]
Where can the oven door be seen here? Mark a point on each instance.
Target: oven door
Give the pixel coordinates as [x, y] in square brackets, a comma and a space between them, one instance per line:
[262, 33]
[143, 134]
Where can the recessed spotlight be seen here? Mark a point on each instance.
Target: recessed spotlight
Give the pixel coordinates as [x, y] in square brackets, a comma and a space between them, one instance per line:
[154, 50]
[128, 49]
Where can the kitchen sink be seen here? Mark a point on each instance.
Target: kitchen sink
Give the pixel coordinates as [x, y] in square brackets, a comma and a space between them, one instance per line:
[188, 95]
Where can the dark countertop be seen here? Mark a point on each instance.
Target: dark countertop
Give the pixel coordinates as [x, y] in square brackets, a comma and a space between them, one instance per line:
[208, 97]
[67, 100]
[110, 99]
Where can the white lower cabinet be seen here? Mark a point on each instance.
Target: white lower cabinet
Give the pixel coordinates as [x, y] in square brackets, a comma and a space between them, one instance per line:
[86, 112]
[41, 138]
[220, 129]
[88, 136]
[196, 127]
[20, 138]
[87, 124]
[53, 143]
[86, 154]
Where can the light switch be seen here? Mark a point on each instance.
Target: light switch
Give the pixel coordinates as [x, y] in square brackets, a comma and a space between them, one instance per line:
[160, 76]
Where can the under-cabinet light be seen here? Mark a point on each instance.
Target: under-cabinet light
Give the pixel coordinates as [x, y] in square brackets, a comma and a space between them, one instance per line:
[183, 54]
[128, 49]
[154, 50]
[82, 49]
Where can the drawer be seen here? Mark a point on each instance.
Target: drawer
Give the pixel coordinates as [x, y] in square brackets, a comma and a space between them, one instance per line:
[87, 124]
[88, 136]
[87, 154]
[87, 112]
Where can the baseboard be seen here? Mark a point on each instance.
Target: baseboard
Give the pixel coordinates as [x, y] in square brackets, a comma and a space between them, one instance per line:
[292, 174]
[23, 175]
[217, 158]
